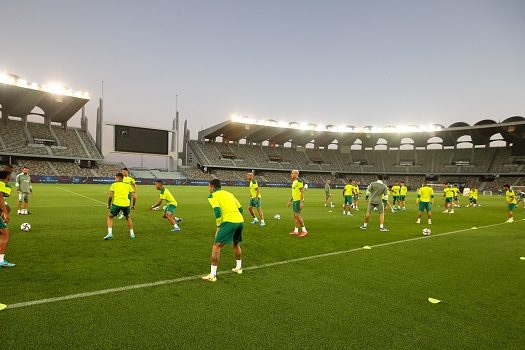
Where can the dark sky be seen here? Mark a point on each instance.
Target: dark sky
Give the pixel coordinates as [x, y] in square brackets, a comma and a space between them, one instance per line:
[339, 62]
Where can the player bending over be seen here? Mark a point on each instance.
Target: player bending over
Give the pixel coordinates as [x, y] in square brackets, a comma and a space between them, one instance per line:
[297, 203]
[448, 193]
[171, 205]
[229, 221]
[119, 201]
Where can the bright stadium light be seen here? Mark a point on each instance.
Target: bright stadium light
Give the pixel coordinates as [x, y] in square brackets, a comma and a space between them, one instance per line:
[21, 82]
[54, 88]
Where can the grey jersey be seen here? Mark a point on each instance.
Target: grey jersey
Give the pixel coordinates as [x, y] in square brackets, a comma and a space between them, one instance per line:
[23, 183]
[375, 192]
[326, 188]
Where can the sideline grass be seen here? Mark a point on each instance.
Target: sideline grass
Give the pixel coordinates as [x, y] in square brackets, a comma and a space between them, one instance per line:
[368, 299]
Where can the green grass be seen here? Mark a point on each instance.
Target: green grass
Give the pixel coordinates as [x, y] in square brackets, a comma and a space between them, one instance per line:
[366, 299]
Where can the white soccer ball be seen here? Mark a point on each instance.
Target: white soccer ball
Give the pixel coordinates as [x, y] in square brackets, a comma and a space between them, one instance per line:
[277, 217]
[25, 227]
[426, 232]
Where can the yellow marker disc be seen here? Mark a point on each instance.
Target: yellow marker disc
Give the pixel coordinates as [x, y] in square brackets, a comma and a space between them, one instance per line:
[2, 306]
[434, 301]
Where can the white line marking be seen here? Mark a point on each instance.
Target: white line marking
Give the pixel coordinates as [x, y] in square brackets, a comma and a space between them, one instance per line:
[65, 206]
[190, 278]
[81, 195]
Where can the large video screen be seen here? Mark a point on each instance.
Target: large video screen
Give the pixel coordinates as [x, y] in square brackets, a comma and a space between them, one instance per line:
[140, 140]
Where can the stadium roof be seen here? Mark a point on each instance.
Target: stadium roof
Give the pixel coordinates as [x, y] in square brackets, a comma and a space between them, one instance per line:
[481, 133]
[19, 99]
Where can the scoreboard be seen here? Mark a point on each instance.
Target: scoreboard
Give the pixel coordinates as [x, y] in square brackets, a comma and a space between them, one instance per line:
[141, 140]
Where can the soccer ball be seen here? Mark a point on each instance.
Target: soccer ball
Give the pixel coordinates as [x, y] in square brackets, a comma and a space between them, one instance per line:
[277, 217]
[426, 232]
[25, 227]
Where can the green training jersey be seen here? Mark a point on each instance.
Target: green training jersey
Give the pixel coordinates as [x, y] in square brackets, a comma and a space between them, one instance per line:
[449, 192]
[128, 180]
[23, 183]
[395, 190]
[509, 197]
[349, 190]
[425, 194]
[166, 195]
[254, 185]
[226, 207]
[121, 191]
[297, 185]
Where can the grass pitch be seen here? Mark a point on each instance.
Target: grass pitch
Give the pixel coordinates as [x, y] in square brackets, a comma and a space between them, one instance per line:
[290, 296]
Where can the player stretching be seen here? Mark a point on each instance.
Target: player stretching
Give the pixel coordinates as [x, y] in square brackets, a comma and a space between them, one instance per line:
[119, 201]
[5, 191]
[24, 189]
[448, 193]
[229, 221]
[328, 194]
[348, 196]
[255, 199]
[374, 196]
[395, 195]
[425, 197]
[403, 190]
[297, 203]
[171, 205]
[128, 180]
[512, 203]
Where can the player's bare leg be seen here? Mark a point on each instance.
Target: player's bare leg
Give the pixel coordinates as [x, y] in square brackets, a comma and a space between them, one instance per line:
[168, 216]
[130, 227]
[110, 227]
[215, 258]
[238, 258]
[4, 241]
[261, 216]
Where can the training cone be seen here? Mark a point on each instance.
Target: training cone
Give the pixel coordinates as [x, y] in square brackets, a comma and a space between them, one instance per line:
[367, 247]
[2, 306]
[434, 301]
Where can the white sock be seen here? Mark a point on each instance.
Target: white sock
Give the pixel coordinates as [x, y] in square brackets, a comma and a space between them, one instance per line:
[110, 230]
[304, 229]
[176, 226]
[2, 257]
[296, 229]
[18, 211]
[213, 271]
[238, 266]
[262, 221]
[365, 224]
[344, 212]
[380, 225]
[131, 232]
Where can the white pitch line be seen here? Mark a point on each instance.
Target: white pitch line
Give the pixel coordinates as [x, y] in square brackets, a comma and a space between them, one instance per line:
[65, 206]
[81, 195]
[190, 278]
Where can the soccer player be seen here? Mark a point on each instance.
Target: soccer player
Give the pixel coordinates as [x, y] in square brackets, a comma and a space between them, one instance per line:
[171, 205]
[25, 190]
[456, 196]
[128, 180]
[5, 191]
[328, 194]
[448, 193]
[386, 202]
[473, 196]
[511, 200]
[229, 221]
[374, 197]
[356, 184]
[9, 169]
[119, 201]
[297, 203]
[425, 198]
[348, 195]
[255, 199]
[403, 190]
[395, 194]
